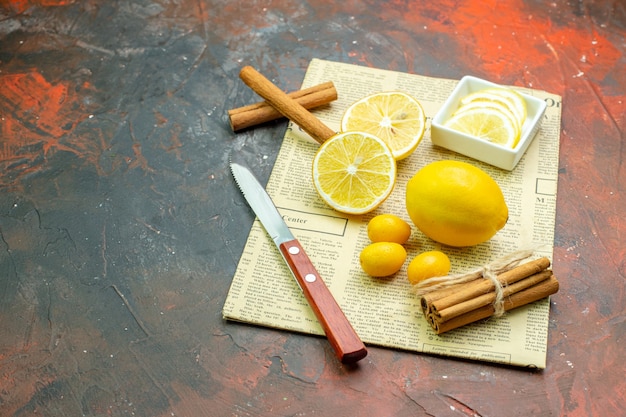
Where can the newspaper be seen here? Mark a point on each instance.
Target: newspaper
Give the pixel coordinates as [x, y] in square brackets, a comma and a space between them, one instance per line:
[385, 312]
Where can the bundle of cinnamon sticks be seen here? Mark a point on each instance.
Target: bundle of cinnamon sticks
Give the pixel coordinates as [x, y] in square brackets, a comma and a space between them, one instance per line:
[460, 304]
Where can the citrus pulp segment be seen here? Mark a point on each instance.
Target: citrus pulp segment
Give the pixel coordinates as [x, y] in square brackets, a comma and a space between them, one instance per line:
[354, 172]
[395, 117]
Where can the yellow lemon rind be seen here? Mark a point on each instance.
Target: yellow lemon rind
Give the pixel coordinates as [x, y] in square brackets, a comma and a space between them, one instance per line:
[456, 203]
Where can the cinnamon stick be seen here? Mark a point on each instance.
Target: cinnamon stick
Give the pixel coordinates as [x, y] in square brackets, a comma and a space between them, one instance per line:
[262, 112]
[430, 297]
[489, 298]
[483, 286]
[286, 105]
[529, 295]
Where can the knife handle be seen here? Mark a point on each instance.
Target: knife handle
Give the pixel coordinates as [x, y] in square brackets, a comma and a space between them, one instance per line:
[347, 345]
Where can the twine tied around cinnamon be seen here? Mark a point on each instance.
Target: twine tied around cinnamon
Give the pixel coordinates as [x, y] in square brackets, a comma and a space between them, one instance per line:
[507, 283]
[489, 271]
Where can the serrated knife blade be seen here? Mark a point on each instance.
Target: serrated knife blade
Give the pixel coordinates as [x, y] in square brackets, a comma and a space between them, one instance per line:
[341, 335]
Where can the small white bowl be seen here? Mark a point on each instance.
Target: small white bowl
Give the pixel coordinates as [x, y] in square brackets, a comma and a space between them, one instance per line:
[482, 150]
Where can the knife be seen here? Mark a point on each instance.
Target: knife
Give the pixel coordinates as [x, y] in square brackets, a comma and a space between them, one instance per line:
[346, 343]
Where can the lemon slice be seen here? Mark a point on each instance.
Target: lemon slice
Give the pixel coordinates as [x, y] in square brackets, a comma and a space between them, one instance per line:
[505, 96]
[494, 105]
[488, 124]
[395, 117]
[354, 172]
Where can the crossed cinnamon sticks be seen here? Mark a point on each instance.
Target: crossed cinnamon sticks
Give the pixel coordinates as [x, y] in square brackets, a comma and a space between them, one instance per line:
[261, 112]
[455, 306]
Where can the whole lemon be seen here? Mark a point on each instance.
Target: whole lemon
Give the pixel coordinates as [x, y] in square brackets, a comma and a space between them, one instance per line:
[382, 259]
[388, 228]
[456, 203]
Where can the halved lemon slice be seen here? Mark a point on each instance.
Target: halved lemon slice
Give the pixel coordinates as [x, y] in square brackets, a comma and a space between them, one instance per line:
[505, 96]
[488, 124]
[354, 172]
[395, 117]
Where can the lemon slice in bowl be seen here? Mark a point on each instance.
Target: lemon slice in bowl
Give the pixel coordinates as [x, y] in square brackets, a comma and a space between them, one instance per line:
[395, 117]
[354, 172]
[494, 105]
[486, 123]
[504, 96]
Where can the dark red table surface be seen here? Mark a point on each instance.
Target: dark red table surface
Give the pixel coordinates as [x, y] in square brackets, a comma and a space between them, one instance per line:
[121, 227]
